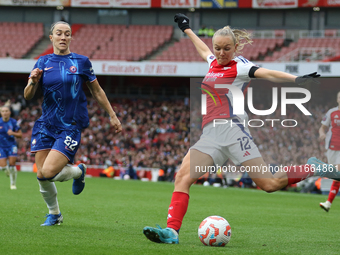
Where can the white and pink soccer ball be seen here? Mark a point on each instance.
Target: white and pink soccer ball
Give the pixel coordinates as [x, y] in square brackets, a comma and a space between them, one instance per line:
[214, 231]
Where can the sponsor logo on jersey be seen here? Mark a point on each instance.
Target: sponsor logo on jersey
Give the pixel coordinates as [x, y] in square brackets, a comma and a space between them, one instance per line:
[48, 68]
[226, 68]
[73, 69]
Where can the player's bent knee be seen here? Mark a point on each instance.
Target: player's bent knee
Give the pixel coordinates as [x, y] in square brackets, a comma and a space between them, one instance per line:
[47, 173]
[269, 186]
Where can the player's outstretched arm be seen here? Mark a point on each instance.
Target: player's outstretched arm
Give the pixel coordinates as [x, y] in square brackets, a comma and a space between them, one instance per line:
[99, 94]
[278, 76]
[32, 83]
[273, 75]
[183, 23]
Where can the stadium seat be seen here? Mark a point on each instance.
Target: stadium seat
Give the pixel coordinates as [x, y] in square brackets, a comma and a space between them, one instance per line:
[309, 49]
[14, 35]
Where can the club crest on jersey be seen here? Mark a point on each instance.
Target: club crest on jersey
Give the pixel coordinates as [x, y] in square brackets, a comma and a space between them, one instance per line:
[73, 69]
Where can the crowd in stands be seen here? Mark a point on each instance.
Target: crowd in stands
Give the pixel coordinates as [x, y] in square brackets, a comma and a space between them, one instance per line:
[157, 134]
[291, 145]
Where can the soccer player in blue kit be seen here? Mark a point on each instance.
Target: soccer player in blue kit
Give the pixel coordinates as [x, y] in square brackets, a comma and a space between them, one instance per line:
[9, 130]
[56, 134]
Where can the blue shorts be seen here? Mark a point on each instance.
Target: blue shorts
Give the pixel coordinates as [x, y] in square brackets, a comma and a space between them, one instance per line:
[46, 137]
[11, 151]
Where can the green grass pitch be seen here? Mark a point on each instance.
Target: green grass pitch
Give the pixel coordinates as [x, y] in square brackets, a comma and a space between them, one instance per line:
[108, 218]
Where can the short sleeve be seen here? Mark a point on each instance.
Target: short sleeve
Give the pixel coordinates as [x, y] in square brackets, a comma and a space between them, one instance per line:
[210, 59]
[243, 67]
[38, 64]
[88, 71]
[326, 120]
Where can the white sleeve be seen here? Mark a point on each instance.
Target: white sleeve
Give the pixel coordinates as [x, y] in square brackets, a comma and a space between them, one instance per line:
[210, 59]
[243, 67]
[326, 120]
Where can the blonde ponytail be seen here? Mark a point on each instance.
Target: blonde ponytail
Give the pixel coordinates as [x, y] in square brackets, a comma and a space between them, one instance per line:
[240, 37]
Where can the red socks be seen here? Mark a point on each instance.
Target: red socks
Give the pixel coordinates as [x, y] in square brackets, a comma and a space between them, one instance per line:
[298, 173]
[334, 191]
[177, 209]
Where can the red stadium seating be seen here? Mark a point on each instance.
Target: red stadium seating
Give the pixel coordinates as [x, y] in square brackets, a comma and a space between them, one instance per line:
[184, 50]
[118, 42]
[308, 49]
[16, 38]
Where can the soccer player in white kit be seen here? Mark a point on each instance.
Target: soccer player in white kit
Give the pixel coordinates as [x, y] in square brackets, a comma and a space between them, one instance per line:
[331, 122]
[222, 142]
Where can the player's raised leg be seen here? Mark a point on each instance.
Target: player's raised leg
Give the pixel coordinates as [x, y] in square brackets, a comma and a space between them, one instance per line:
[55, 168]
[271, 180]
[185, 177]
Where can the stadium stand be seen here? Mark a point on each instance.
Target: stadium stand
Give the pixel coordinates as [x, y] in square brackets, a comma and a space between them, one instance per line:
[118, 42]
[184, 50]
[14, 38]
[142, 42]
[308, 49]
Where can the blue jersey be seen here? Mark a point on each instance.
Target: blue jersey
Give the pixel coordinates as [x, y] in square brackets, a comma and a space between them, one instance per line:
[6, 140]
[65, 103]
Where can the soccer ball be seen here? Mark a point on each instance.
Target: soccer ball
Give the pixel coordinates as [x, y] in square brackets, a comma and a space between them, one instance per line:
[214, 231]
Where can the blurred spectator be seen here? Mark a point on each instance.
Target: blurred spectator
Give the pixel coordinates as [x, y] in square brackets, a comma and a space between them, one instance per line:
[16, 107]
[203, 31]
[108, 172]
[8, 55]
[211, 31]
